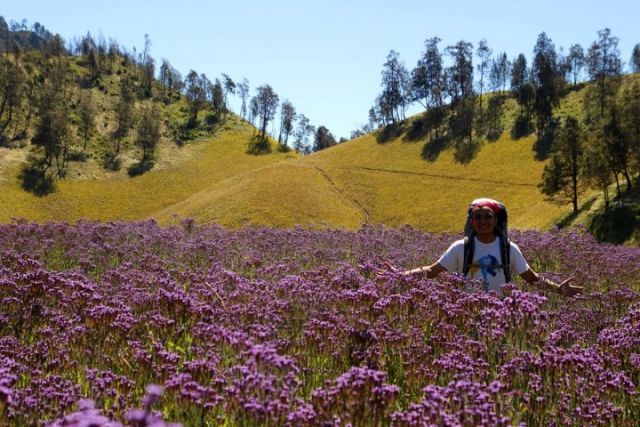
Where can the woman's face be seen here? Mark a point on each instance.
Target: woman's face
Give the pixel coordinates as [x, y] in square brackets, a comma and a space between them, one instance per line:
[483, 221]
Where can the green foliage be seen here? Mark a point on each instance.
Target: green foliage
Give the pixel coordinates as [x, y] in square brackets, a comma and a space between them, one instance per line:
[111, 161]
[125, 110]
[259, 145]
[395, 87]
[324, 139]
[86, 117]
[52, 131]
[493, 118]
[266, 103]
[548, 81]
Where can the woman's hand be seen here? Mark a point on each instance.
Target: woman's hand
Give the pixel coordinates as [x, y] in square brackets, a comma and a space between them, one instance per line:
[566, 289]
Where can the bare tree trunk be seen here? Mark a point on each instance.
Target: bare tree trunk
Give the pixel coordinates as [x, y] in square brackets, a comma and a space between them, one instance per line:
[615, 175]
[627, 176]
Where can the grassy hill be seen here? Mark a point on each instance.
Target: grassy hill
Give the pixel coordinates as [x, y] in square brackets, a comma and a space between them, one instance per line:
[363, 181]
[197, 166]
[358, 182]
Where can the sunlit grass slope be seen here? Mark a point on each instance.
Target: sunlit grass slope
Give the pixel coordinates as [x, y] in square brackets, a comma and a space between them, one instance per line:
[354, 183]
[282, 195]
[204, 164]
[395, 185]
[363, 181]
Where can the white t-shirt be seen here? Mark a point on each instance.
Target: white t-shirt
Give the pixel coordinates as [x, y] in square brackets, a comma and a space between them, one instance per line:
[486, 265]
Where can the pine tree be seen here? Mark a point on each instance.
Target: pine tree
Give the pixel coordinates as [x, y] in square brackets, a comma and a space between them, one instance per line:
[562, 175]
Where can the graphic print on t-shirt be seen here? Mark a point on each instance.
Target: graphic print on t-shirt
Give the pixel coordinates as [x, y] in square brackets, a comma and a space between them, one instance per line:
[488, 265]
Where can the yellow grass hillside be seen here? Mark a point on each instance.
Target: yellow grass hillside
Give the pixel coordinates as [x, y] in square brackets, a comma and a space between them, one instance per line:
[355, 183]
[202, 165]
[363, 181]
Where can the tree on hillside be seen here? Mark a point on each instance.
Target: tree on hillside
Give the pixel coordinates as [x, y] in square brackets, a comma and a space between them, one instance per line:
[12, 83]
[563, 65]
[301, 135]
[595, 169]
[562, 175]
[500, 72]
[52, 131]
[323, 139]
[395, 85]
[5, 36]
[548, 83]
[604, 65]
[113, 52]
[427, 79]
[460, 90]
[630, 112]
[148, 132]
[484, 55]
[618, 147]
[169, 78]
[88, 49]
[253, 110]
[635, 59]
[195, 87]
[493, 118]
[86, 117]
[229, 88]
[29, 102]
[147, 69]
[125, 114]
[287, 119]
[524, 93]
[460, 73]
[267, 104]
[575, 61]
[519, 74]
[216, 97]
[243, 92]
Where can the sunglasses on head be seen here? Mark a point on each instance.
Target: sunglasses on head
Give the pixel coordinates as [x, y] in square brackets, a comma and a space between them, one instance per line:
[483, 215]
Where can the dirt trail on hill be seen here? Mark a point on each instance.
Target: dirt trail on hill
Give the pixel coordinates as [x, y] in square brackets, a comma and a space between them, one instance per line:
[342, 194]
[430, 175]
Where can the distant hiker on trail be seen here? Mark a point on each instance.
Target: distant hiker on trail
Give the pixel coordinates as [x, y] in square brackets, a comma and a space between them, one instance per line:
[483, 255]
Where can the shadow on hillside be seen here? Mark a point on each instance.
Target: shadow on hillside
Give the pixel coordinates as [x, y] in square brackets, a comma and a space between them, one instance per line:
[617, 224]
[390, 131]
[544, 143]
[418, 129]
[432, 149]
[620, 221]
[34, 179]
[140, 167]
[465, 151]
[522, 127]
[570, 218]
[426, 124]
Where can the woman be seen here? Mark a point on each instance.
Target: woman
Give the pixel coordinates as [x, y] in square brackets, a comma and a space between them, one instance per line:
[486, 254]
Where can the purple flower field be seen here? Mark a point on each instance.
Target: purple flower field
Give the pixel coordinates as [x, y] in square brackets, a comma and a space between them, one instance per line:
[134, 324]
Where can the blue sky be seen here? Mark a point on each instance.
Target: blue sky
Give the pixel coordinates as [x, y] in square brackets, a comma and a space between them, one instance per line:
[325, 56]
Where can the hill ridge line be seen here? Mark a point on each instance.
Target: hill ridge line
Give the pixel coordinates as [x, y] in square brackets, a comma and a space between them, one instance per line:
[431, 175]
